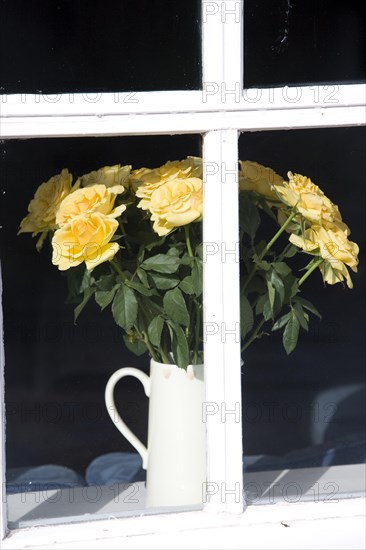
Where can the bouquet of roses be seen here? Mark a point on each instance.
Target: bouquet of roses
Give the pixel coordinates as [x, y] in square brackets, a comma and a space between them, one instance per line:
[131, 239]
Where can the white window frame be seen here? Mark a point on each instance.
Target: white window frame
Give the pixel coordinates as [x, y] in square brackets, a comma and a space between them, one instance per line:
[220, 111]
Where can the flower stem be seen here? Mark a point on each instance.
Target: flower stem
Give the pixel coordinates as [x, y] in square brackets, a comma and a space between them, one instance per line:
[268, 246]
[310, 270]
[124, 233]
[188, 240]
[148, 345]
[277, 235]
[165, 357]
[254, 335]
[118, 269]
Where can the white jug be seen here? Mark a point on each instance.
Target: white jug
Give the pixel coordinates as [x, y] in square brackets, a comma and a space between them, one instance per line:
[175, 458]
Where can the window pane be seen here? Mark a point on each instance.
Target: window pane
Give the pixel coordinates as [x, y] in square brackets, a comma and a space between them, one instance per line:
[321, 41]
[99, 46]
[59, 433]
[306, 409]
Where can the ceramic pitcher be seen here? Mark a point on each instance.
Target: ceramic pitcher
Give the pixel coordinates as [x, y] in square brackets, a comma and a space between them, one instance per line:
[175, 457]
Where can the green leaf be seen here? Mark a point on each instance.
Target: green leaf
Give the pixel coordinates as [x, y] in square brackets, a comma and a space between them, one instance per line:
[246, 315]
[175, 307]
[197, 276]
[281, 322]
[139, 287]
[164, 282]
[260, 304]
[187, 285]
[180, 348]
[78, 280]
[161, 263]
[271, 296]
[105, 297]
[88, 293]
[154, 331]
[309, 306]
[187, 260]
[173, 251]
[302, 317]
[291, 287]
[249, 218]
[153, 306]
[106, 282]
[138, 348]
[267, 311]
[291, 334]
[262, 264]
[292, 250]
[124, 307]
[141, 255]
[263, 307]
[282, 268]
[199, 251]
[278, 285]
[143, 277]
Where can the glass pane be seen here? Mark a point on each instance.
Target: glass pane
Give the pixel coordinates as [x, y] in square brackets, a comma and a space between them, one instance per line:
[304, 409]
[99, 46]
[145, 301]
[321, 41]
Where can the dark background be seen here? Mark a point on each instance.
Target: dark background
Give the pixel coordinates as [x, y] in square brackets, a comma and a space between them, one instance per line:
[288, 42]
[56, 371]
[111, 45]
[332, 353]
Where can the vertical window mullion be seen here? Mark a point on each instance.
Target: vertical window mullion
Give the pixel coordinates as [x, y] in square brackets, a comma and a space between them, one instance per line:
[222, 77]
[222, 52]
[222, 411]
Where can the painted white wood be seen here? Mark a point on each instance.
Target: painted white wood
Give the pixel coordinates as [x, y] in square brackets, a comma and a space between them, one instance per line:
[283, 525]
[219, 93]
[218, 109]
[212, 43]
[150, 124]
[3, 525]
[221, 322]
[222, 45]
[54, 506]
[232, 17]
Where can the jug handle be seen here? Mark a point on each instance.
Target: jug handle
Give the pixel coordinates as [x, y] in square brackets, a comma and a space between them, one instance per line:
[113, 413]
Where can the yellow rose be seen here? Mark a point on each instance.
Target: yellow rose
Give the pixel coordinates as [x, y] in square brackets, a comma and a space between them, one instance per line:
[145, 181]
[334, 247]
[258, 178]
[178, 202]
[108, 176]
[187, 168]
[85, 238]
[301, 193]
[43, 207]
[86, 200]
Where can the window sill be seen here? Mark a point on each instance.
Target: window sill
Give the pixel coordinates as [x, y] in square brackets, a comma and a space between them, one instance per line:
[318, 518]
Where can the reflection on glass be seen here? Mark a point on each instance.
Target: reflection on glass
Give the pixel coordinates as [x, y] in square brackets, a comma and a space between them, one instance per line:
[306, 409]
[112, 278]
[303, 43]
[100, 46]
